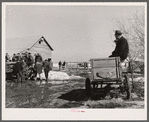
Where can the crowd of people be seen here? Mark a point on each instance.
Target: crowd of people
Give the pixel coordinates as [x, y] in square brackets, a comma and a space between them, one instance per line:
[30, 65]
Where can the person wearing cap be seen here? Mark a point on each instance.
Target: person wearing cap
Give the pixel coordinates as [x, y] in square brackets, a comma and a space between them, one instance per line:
[18, 69]
[29, 60]
[122, 47]
[14, 58]
[7, 57]
[47, 68]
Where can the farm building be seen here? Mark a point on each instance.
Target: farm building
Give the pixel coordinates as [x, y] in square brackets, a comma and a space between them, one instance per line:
[33, 45]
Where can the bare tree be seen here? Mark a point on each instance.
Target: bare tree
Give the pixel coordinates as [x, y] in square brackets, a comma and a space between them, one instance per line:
[134, 30]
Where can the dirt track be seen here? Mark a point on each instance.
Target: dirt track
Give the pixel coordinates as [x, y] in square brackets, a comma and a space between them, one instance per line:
[69, 94]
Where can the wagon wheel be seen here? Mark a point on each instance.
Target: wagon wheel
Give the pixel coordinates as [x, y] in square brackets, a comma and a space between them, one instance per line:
[126, 87]
[88, 87]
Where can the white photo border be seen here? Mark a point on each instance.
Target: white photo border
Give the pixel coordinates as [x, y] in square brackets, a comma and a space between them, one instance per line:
[66, 114]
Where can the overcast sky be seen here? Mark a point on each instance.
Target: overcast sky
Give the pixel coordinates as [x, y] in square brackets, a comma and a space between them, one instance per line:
[76, 33]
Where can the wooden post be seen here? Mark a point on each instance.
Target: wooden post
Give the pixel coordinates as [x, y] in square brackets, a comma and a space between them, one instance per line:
[77, 68]
[87, 66]
[132, 76]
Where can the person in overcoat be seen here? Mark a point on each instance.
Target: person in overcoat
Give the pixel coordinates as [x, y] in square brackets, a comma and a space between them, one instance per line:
[47, 68]
[122, 47]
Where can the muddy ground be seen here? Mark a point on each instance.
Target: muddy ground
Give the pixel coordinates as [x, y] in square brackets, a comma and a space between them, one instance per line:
[70, 94]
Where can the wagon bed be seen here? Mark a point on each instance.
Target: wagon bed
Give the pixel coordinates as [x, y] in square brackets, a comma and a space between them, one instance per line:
[108, 71]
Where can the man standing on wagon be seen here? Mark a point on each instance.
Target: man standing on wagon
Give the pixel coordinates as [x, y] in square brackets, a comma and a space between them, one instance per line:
[122, 47]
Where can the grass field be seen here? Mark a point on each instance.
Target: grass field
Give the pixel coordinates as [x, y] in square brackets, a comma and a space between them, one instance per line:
[70, 94]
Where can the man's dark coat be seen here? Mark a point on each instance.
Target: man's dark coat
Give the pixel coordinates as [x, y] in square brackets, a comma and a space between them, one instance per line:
[121, 49]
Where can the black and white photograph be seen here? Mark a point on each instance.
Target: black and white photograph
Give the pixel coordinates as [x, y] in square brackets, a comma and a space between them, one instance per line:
[74, 61]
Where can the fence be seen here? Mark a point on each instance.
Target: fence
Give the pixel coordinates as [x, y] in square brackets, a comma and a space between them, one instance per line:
[72, 66]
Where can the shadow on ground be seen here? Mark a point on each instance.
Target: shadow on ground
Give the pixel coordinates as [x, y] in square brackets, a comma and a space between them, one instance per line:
[75, 95]
[80, 94]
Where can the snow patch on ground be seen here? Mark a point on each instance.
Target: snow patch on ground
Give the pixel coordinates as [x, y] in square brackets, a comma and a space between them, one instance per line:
[51, 82]
[53, 75]
[57, 77]
[75, 77]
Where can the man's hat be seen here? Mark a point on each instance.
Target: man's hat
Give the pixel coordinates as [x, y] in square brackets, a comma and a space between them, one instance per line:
[118, 32]
[49, 59]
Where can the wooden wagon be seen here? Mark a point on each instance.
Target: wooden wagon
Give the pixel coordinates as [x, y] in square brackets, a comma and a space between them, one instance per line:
[108, 71]
[11, 74]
